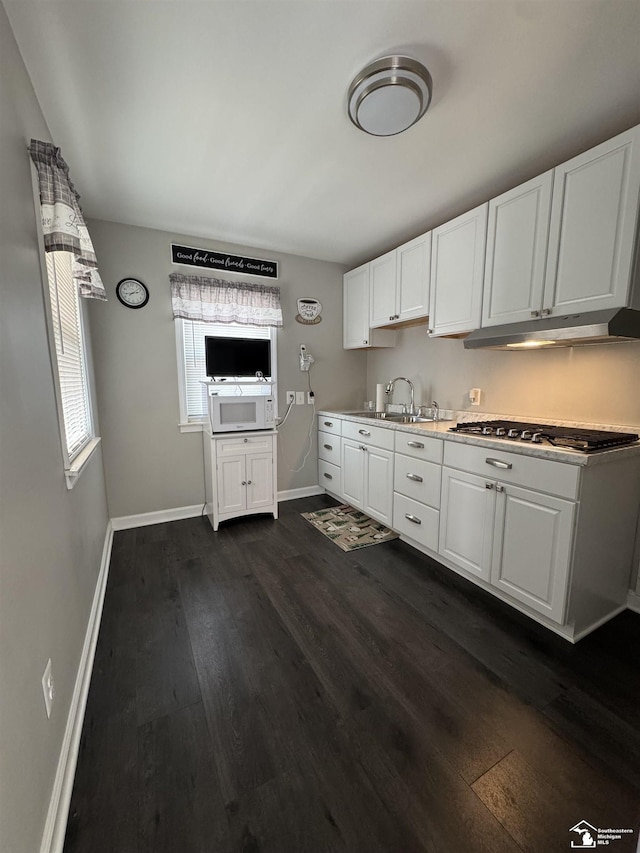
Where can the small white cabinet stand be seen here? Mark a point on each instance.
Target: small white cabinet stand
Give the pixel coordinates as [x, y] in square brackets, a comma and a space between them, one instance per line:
[240, 474]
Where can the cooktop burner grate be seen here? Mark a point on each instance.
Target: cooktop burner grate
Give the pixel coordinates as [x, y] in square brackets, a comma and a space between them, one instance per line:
[575, 438]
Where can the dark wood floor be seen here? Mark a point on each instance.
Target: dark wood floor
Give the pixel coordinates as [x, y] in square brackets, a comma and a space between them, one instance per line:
[260, 690]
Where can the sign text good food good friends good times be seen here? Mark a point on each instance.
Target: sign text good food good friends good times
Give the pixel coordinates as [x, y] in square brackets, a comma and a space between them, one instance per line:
[209, 260]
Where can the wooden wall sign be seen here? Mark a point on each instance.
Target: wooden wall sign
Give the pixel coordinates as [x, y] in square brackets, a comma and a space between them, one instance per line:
[188, 256]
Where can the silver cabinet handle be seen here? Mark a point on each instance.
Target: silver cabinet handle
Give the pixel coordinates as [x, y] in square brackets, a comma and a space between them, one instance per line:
[418, 444]
[326, 423]
[327, 447]
[328, 476]
[499, 488]
[364, 432]
[248, 482]
[363, 447]
[244, 482]
[488, 485]
[546, 312]
[535, 313]
[246, 440]
[365, 342]
[412, 518]
[498, 463]
[391, 316]
[415, 477]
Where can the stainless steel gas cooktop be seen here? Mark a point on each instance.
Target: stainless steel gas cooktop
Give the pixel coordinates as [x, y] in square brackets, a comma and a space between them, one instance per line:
[574, 438]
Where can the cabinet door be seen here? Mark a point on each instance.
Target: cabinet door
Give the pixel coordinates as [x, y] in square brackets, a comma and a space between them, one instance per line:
[259, 471]
[382, 299]
[230, 480]
[356, 308]
[532, 549]
[593, 225]
[378, 484]
[414, 275]
[517, 238]
[457, 270]
[353, 473]
[467, 514]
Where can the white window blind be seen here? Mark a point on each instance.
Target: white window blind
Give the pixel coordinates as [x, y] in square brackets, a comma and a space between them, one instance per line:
[193, 359]
[70, 354]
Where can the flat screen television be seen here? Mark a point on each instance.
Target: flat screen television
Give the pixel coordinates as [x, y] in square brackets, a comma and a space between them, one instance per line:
[237, 357]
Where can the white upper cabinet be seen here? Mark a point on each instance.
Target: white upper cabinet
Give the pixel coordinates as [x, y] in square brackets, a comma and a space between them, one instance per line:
[517, 237]
[382, 303]
[356, 308]
[414, 275]
[357, 333]
[593, 228]
[457, 267]
[400, 283]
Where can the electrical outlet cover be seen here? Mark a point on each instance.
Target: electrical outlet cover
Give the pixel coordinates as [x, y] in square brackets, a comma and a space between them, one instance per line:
[299, 398]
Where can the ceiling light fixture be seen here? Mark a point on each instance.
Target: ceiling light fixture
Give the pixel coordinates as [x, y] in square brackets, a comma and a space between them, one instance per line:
[389, 95]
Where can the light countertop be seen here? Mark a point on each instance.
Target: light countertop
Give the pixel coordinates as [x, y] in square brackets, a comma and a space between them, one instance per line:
[440, 429]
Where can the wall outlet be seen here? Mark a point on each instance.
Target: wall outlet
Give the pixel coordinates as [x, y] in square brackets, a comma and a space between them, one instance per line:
[310, 396]
[291, 397]
[48, 687]
[474, 396]
[299, 398]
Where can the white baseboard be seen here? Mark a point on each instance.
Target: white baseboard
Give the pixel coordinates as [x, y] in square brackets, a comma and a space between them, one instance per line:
[124, 522]
[633, 601]
[57, 815]
[304, 492]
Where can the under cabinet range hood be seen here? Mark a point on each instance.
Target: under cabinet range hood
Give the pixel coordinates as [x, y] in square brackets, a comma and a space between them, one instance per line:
[593, 327]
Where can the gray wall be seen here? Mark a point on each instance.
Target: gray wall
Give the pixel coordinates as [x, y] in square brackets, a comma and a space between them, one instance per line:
[595, 384]
[149, 464]
[51, 539]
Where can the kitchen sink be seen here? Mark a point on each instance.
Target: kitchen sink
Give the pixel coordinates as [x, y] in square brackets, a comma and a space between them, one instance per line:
[395, 417]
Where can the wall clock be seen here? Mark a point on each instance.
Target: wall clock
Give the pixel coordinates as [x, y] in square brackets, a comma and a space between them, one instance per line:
[132, 293]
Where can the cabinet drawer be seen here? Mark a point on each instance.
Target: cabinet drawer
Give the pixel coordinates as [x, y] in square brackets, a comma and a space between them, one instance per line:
[544, 475]
[330, 477]
[418, 479]
[242, 445]
[416, 520]
[419, 446]
[329, 424]
[366, 434]
[329, 447]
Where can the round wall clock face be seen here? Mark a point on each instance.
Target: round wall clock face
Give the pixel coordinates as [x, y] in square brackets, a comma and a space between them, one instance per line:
[132, 293]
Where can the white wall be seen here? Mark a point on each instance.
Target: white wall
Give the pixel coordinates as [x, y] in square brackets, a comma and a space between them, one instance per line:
[594, 384]
[149, 464]
[50, 539]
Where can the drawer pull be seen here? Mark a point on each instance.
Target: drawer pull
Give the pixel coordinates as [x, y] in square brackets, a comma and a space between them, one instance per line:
[498, 463]
[415, 477]
[327, 447]
[417, 444]
[364, 432]
[328, 423]
[412, 518]
[328, 476]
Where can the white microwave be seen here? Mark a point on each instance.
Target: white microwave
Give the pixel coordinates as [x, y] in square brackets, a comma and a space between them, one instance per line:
[233, 413]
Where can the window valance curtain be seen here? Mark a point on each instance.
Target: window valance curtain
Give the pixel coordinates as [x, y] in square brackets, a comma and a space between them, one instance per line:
[211, 300]
[62, 220]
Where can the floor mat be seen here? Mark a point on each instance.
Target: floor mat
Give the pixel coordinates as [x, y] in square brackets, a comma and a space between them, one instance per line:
[348, 527]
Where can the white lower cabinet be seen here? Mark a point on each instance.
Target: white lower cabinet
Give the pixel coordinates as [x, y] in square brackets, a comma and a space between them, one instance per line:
[239, 475]
[467, 512]
[532, 541]
[367, 479]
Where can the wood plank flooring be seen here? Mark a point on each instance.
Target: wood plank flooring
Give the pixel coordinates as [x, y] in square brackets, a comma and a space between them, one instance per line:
[258, 690]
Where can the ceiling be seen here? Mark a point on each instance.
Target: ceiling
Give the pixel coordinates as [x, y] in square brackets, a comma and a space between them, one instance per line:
[227, 120]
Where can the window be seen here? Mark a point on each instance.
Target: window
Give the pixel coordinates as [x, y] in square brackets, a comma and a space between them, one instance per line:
[70, 366]
[190, 335]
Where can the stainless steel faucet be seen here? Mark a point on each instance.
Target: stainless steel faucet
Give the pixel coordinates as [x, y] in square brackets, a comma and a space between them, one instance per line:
[436, 410]
[391, 386]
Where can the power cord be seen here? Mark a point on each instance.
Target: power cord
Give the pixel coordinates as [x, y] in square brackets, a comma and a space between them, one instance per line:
[310, 433]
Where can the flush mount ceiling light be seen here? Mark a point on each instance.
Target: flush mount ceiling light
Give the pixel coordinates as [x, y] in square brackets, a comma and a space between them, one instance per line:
[389, 95]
